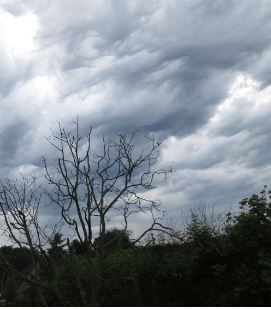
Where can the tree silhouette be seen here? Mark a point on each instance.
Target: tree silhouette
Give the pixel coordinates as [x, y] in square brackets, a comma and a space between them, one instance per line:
[91, 187]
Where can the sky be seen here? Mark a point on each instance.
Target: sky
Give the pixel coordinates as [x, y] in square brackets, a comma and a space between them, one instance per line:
[195, 73]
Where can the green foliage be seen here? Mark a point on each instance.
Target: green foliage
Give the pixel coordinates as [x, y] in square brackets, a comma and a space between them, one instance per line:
[229, 266]
[78, 248]
[12, 259]
[57, 246]
[199, 231]
[113, 240]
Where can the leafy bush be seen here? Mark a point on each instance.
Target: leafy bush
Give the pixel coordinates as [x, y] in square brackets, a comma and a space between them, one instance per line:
[229, 266]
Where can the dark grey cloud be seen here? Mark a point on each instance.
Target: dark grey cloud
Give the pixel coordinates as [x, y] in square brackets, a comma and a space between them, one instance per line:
[196, 73]
[10, 140]
[207, 49]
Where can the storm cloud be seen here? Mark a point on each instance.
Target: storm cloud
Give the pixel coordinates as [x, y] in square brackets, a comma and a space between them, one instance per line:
[195, 73]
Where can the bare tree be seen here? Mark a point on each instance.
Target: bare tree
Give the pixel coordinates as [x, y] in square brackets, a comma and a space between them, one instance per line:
[19, 207]
[92, 187]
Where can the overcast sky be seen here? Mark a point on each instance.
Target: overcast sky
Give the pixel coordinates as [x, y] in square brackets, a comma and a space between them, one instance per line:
[196, 73]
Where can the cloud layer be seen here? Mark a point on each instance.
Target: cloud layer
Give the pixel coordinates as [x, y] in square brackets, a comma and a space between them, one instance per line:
[196, 73]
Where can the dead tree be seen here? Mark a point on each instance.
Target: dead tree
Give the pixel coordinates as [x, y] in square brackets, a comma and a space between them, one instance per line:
[19, 207]
[92, 187]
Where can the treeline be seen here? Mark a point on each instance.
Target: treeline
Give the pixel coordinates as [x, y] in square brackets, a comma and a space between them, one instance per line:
[207, 265]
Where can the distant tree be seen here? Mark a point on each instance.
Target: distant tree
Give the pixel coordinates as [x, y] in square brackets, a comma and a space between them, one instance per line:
[78, 248]
[57, 245]
[114, 239]
[199, 231]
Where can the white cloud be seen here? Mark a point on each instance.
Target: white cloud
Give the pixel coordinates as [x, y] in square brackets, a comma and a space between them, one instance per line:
[227, 158]
[18, 33]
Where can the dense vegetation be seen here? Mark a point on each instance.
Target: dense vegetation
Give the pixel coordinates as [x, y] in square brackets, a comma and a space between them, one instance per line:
[225, 265]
